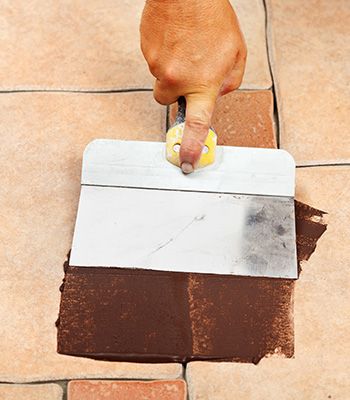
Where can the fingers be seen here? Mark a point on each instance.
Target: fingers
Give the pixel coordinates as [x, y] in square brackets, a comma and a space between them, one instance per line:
[199, 110]
[164, 94]
[234, 79]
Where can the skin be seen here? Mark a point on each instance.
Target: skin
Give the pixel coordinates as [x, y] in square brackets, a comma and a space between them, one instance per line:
[194, 48]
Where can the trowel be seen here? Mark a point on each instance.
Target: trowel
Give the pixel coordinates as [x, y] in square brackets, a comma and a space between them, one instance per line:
[234, 215]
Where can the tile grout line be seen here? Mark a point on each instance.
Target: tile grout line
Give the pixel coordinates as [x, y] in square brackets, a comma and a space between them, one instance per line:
[340, 164]
[58, 381]
[64, 386]
[83, 91]
[273, 87]
[104, 91]
[184, 377]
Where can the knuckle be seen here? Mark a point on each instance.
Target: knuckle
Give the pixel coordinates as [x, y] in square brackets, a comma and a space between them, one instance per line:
[159, 98]
[233, 85]
[197, 124]
[237, 82]
[152, 60]
[152, 65]
[170, 76]
[243, 52]
[191, 147]
[189, 153]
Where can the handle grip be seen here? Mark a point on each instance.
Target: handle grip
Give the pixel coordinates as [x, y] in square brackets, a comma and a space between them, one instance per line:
[174, 139]
[181, 110]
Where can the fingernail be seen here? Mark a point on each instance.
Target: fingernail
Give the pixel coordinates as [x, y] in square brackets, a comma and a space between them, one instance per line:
[187, 168]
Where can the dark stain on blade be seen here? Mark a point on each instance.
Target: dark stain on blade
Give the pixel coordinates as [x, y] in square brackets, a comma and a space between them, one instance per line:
[151, 316]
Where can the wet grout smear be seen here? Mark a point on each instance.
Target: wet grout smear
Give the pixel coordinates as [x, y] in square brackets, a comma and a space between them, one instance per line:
[155, 316]
[310, 226]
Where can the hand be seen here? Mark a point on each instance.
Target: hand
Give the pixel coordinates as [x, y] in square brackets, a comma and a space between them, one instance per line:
[194, 48]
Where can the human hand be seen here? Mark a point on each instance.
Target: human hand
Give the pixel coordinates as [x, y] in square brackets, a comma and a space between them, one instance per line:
[194, 48]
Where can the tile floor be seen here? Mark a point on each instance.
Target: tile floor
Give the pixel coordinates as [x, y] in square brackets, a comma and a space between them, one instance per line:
[126, 390]
[72, 52]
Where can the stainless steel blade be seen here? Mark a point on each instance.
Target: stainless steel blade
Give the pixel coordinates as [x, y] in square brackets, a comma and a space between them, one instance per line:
[185, 231]
[178, 229]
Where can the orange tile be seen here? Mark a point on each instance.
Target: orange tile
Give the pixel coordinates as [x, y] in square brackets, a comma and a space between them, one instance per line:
[310, 49]
[127, 390]
[243, 118]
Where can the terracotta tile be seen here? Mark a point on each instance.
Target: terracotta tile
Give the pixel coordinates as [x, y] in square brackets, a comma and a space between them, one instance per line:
[31, 392]
[95, 45]
[310, 62]
[320, 366]
[251, 15]
[243, 118]
[43, 137]
[127, 390]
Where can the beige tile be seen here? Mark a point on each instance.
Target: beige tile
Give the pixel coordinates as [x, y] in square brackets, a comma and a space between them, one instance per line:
[75, 44]
[320, 368]
[310, 47]
[251, 15]
[43, 138]
[31, 392]
[95, 45]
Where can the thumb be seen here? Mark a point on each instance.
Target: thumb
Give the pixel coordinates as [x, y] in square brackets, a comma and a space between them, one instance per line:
[199, 110]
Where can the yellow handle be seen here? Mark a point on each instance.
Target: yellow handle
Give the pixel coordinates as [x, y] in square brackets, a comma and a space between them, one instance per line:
[173, 143]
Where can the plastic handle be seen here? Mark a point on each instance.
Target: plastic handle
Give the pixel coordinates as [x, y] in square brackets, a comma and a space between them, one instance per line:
[174, 139]
[181, 110]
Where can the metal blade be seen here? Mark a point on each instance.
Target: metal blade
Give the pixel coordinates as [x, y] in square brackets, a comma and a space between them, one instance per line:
[185, 231]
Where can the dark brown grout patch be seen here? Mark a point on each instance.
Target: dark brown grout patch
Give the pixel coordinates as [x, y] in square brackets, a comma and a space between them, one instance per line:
[151, 316]
[309, 228]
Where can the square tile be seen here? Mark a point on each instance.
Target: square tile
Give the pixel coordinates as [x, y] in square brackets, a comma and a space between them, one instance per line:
[251, 16]
[95, 45]
[90, 45]
[127, 390]
[49, 391]
[310, 62]
[242, 118]
[322, 327]
[44, 135]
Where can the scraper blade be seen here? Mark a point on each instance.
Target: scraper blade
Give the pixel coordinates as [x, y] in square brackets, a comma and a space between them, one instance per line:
[235, 217]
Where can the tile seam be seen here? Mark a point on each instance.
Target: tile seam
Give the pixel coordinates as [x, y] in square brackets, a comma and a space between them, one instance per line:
[273, 79]
[104, 91]
[101, 378]
[83, 91]
[340, 164]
